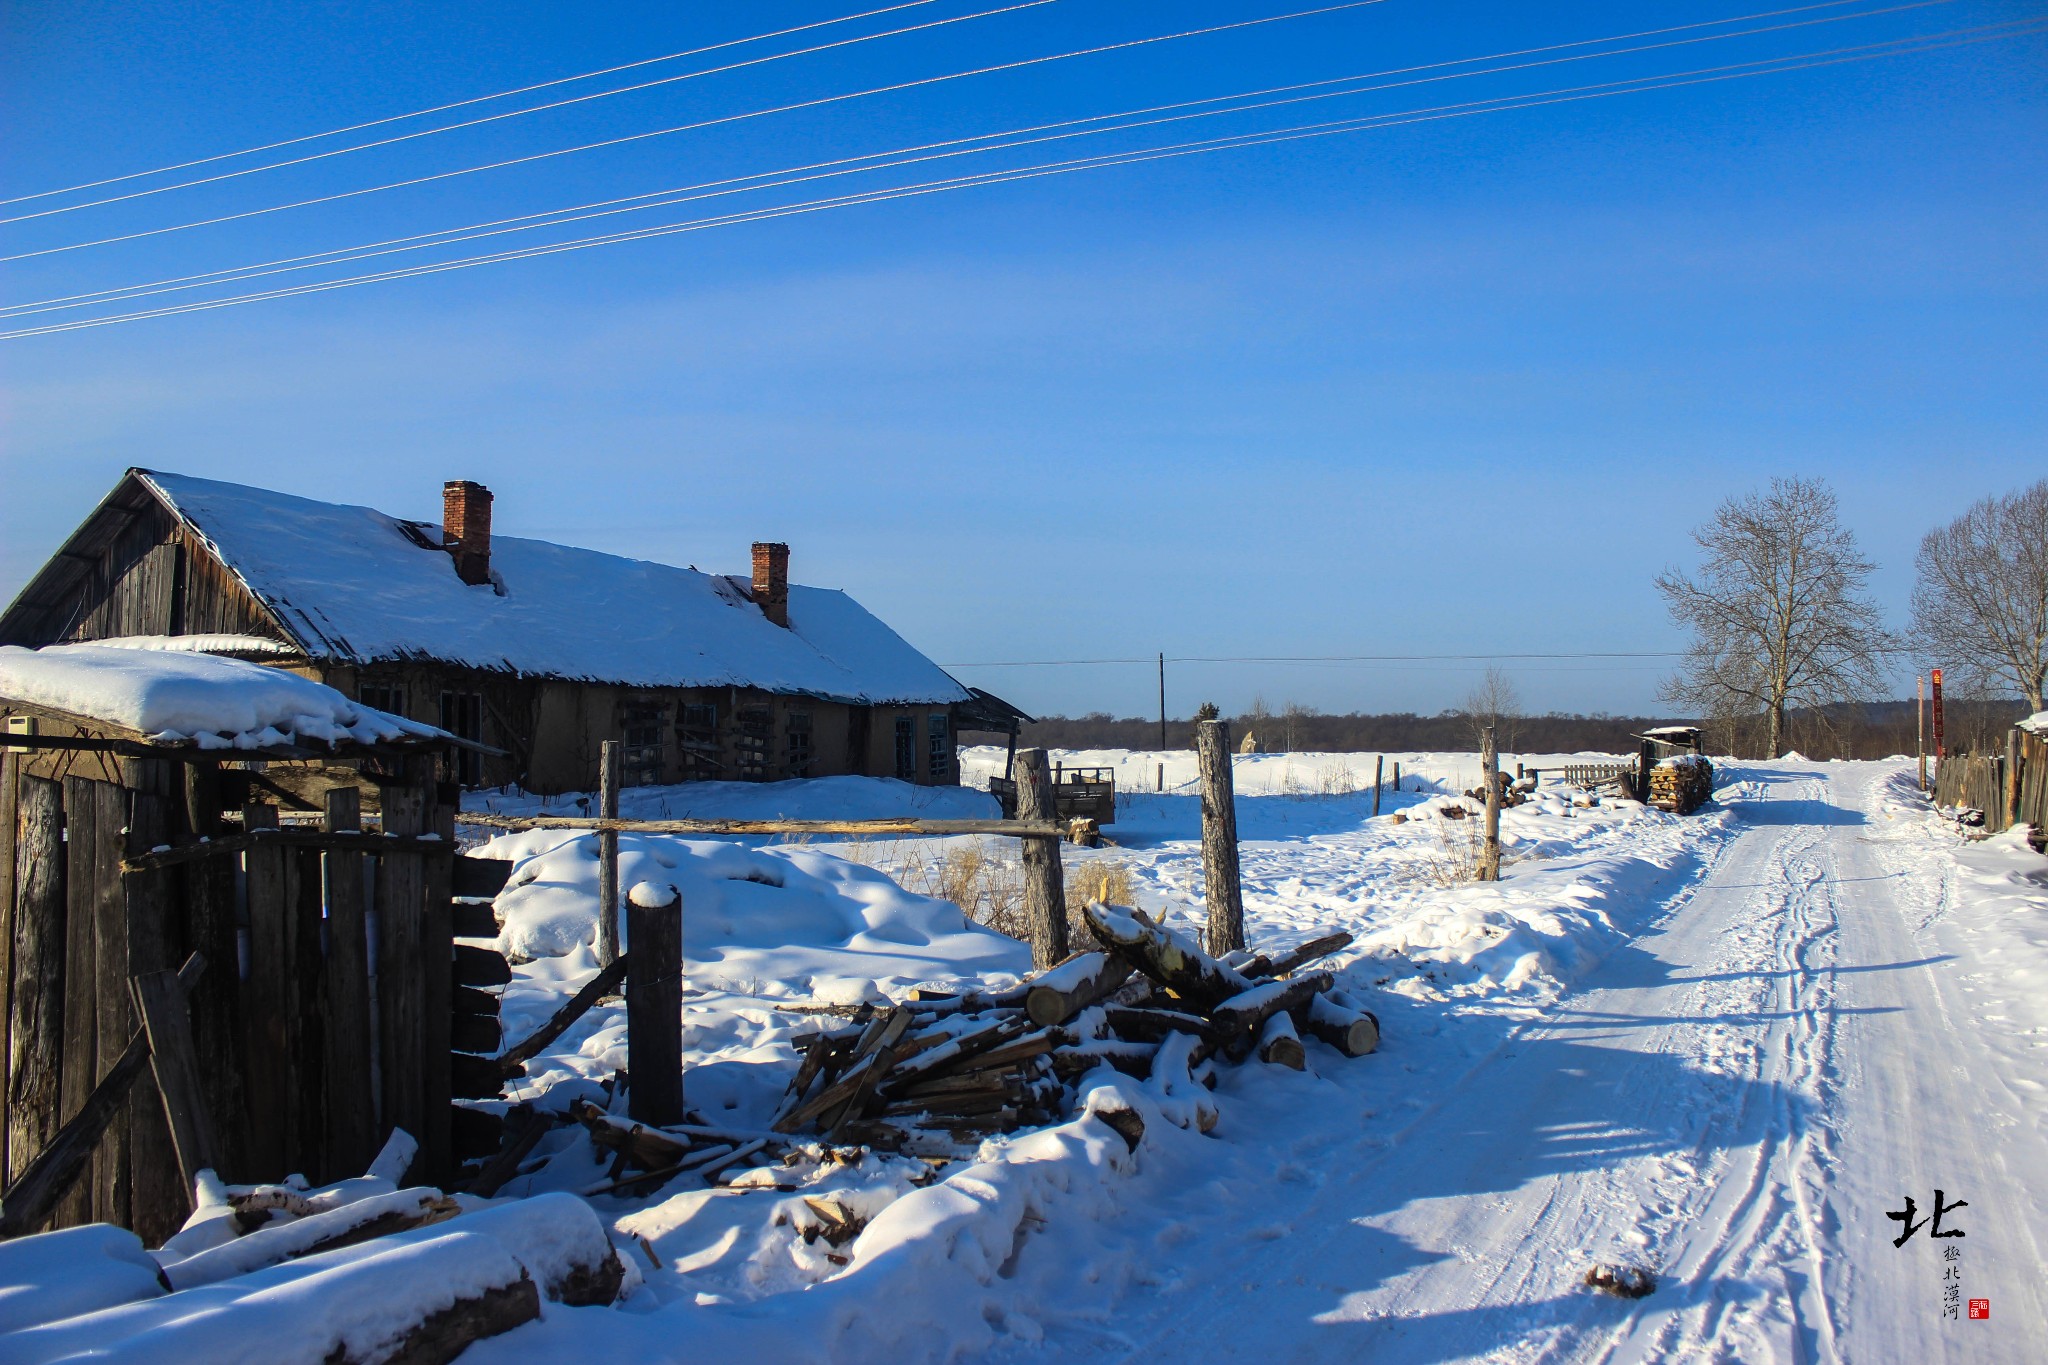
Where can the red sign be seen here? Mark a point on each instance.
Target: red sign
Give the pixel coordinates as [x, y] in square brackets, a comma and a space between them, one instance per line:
[1979, 1308]
[1939, 751]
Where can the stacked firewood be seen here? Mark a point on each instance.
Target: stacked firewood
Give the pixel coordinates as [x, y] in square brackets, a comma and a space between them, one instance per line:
[938, 1071]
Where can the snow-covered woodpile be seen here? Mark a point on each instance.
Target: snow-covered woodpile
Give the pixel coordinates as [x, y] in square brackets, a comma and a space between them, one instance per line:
[358, 1271]
[928, 1074]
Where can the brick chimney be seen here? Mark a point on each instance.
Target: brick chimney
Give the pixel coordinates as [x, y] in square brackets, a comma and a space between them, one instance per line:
[466, 529]
[771, 580]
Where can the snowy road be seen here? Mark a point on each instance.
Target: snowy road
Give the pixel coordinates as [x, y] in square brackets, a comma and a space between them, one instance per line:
[1735, 1099]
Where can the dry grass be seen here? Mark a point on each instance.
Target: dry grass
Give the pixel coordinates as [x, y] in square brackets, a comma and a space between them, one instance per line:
[1455, 859]
[989, 890]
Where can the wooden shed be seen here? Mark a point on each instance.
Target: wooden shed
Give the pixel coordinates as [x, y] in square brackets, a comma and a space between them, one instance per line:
[536, 649]
[332, 998]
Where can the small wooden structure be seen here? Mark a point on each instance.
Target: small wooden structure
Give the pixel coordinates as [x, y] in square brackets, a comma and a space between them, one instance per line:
[2005, 789]
[335, 996]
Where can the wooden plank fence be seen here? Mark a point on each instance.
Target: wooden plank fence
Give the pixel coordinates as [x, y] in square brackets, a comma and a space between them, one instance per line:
[2009, 788]
[332, 1011]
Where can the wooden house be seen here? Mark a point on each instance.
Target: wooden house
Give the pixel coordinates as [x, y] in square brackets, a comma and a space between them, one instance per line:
[538, 650]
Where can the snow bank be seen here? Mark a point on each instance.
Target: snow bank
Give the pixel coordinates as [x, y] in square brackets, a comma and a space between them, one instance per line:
[171, 696]
[810, 798]
[76, 1270]
[786, 919]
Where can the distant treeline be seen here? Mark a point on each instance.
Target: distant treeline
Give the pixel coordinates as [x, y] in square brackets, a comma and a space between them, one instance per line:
[1877, 730]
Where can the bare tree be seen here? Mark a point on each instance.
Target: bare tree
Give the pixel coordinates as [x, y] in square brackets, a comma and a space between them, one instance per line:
[1494, 703]
[1981, 604]
[1777, 611]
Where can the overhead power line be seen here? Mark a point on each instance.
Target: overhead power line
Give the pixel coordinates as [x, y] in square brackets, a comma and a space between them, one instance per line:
[535, 109]
[699, 125]
[1153, 660]
[932, 151]
[1707, 75]
[465, 103]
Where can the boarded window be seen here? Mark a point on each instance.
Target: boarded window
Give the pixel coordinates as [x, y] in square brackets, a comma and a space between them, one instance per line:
[754, 730]
[462, 714]
[642, 722]
[939, 747]
[906, 749]
[797, 729]
[697, 737]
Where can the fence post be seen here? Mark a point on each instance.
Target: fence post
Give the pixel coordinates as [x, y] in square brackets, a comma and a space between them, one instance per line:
[1219, 838]
[2012, 778]
[1045, 895]
[608, 774]
[36, 1007]
[1397, 777]
[1379, 772]
[1489, 763]
[654, 1004]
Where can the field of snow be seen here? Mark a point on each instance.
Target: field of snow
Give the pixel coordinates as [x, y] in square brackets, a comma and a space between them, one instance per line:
[1719, 1047]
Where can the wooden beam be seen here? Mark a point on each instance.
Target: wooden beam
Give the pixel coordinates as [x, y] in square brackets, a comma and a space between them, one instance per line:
[160, 1000]
[1019, 829]
[332, 841]
[36, 1010]
[351, 1109]
[594, 990]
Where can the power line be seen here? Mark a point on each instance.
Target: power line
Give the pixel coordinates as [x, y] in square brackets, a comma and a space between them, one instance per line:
[1153, 660]
[518, 113]
[1707, 75]
[465, 103]
[697, 126]
[939, 151]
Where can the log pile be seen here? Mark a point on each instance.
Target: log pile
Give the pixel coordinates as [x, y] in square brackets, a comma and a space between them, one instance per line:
[931, 1074]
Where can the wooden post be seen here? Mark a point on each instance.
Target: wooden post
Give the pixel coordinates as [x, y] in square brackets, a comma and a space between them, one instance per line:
[208, 886]
[1379, 775]
[654, 1004]
[401, 974]
[2012, 778]
[159, 1198]
[272, 1105]
[1045, 896]
[608, 775]
[1397, 776]
[1162, 708]
[1489, 763]
[10, 774]
[1920, 725]
[35, 1025]
[351, 1107]
[437, 996]
[1225, 893]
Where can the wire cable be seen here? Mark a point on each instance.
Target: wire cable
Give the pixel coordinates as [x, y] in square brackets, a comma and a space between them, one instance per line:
[934, 151]
[693, 127]
[518, 113]
[1766, 66]
[464, 103]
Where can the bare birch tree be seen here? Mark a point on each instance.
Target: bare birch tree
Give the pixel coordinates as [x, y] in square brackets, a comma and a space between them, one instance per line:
[1981, 603]
[1495, 704]
[1776, 610]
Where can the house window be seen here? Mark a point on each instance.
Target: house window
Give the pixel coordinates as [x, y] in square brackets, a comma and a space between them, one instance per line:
[906, 749]
[462, 715]
[644, 752]
[939, 746]
[754, 728]
[697, 737]
[389, 699]
[797, 727]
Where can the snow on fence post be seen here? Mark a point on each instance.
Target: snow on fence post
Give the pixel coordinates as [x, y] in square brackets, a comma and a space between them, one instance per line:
[608, 774]
[654, 1004]
[1489, 763]
[1219, 838]
[1045, 896]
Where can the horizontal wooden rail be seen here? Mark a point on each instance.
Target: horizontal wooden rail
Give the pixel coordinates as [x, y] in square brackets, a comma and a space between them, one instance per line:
[1015, 829]
[377, 844]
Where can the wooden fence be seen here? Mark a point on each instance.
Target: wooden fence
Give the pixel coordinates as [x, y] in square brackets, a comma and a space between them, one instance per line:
[2009, 788]
[331, 1006]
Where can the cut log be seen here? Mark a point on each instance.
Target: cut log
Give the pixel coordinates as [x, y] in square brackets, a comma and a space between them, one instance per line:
[474, 966]
[1165, 955]
[1241, 1018]
[362, 1221]
[525, 1127]
[1074, 985]
[1152, 1025]
[862, 1074]
[646, 1148]
[1280, 1045]
[1133, 1059]
[958, 1052]
[1300, 957]
[394, 1158]
[1352, 1032]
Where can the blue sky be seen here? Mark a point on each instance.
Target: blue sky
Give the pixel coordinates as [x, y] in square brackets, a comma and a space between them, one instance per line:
[1451, 387]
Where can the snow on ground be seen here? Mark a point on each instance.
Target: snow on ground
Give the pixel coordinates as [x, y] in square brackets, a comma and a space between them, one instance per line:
[1719, 1047]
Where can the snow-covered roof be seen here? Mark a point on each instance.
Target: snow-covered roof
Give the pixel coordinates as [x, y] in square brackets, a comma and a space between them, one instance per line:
[354, 585]
[198, 699]
[233, 646]
[2036, 724]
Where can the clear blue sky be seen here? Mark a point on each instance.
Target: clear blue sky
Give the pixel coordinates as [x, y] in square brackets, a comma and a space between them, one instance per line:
[1456, 386]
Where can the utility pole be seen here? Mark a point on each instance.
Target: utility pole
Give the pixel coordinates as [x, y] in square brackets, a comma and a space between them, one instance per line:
[1162, 701]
